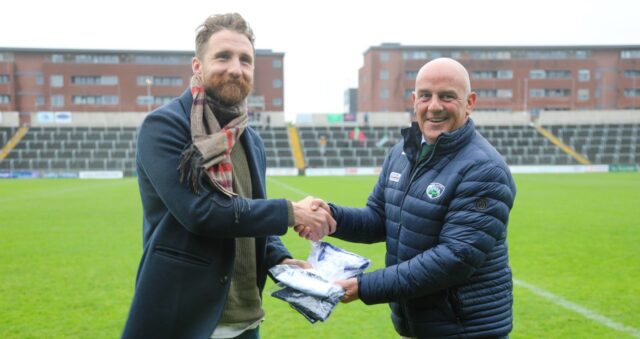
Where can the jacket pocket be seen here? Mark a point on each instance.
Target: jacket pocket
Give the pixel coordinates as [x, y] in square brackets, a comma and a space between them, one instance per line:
[181, 256]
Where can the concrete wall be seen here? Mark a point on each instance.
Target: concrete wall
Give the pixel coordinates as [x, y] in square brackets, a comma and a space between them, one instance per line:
[9, 119]
[590, 117]
[488, 118]
[133, 119]
[374, 119]
[106, 119]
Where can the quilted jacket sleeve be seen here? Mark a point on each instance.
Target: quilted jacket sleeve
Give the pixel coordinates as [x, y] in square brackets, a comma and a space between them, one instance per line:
[363, 225]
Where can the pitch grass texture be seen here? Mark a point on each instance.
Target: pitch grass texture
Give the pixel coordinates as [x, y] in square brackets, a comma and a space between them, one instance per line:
[69, 251]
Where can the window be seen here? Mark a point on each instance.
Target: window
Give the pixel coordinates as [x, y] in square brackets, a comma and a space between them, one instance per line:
[384, 56]
[505, 74]
[105, 80]
[537, 74]
[584, 75]
[550, 74]
[491, 55]
[557, 92]
[582, 54]
[384, 74]
[384, 94]
[4, 78]
[536, 92]
[483, 74]
[56, 80]
[583, 94]
[144, 100]
[632, 92]
[630, 73]
[57, 100]
[555, 74]
[547, 55]
[414, 55]
[277, 83]
[96, 59]
[6, 57]
[84, 80]
[505, 93]
[39, 79]
[40, 100]
[408, 93]
[486, 93]
[411, 75]
[159, 81]
[5, 99]
[57, 58]
[630, 54]
[277, 102]
[159, 60]
[94, 100]
[276, 63]
[161, 100]
[109, 80]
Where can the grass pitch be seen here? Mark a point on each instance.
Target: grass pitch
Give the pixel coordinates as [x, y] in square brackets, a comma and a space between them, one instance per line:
[69, 251]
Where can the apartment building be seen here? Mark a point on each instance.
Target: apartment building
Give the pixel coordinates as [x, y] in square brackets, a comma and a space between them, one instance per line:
[33, 80]
[509, 78]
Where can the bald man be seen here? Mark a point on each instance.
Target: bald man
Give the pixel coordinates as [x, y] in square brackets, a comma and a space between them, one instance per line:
[442, 205]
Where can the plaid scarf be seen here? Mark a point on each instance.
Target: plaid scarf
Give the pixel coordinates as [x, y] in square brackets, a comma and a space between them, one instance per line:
[209, 152]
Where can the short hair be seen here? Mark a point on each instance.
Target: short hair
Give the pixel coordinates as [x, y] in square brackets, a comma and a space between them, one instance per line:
[216, 23]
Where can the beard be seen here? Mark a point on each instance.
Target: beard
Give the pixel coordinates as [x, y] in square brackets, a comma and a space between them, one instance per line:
[227, 90]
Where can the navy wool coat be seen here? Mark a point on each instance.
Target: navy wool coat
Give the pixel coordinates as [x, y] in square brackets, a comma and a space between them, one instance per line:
[444, 222]
[188, 239]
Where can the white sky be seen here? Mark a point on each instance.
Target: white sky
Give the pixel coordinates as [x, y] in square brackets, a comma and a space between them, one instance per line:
[323, 41]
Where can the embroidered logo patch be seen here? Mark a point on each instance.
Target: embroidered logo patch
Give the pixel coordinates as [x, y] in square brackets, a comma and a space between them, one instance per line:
[435, 190]
[482, 204]
[394, 176]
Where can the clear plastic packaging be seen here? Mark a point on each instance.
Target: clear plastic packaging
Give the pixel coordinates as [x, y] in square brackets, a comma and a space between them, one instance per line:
[334, 263]
[312, 292]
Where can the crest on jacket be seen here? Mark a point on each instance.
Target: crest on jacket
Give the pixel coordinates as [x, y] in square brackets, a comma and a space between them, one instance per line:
[435, 190]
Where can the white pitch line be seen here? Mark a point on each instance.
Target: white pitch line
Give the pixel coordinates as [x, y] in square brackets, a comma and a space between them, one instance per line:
[289, 187]
[556, 299]
[587, 313]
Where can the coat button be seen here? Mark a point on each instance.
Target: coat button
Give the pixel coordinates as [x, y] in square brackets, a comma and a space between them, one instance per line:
[224, 279]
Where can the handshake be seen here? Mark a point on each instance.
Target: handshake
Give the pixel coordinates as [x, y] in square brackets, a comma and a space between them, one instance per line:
[313, 219]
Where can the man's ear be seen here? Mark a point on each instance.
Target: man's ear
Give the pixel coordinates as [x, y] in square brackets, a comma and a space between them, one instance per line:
[196, 66]
[471, 102]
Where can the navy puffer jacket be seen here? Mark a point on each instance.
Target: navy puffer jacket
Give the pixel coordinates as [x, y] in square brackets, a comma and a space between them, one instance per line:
[444, 221]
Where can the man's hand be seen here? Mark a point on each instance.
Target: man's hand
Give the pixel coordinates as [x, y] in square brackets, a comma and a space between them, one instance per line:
[305, 265]
[313, 218]
[350, 287]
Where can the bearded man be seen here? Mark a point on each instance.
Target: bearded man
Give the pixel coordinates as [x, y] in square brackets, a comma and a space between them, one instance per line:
[209, 234]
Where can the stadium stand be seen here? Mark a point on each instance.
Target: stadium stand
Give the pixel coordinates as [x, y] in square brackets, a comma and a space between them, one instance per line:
[341, 150]
[276, 144]
[81, 148]
[75, 149]
[5, 134]
[603, 144]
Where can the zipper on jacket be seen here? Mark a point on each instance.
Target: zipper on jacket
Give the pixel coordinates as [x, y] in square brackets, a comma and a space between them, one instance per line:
[414, 171]
[454, 301]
